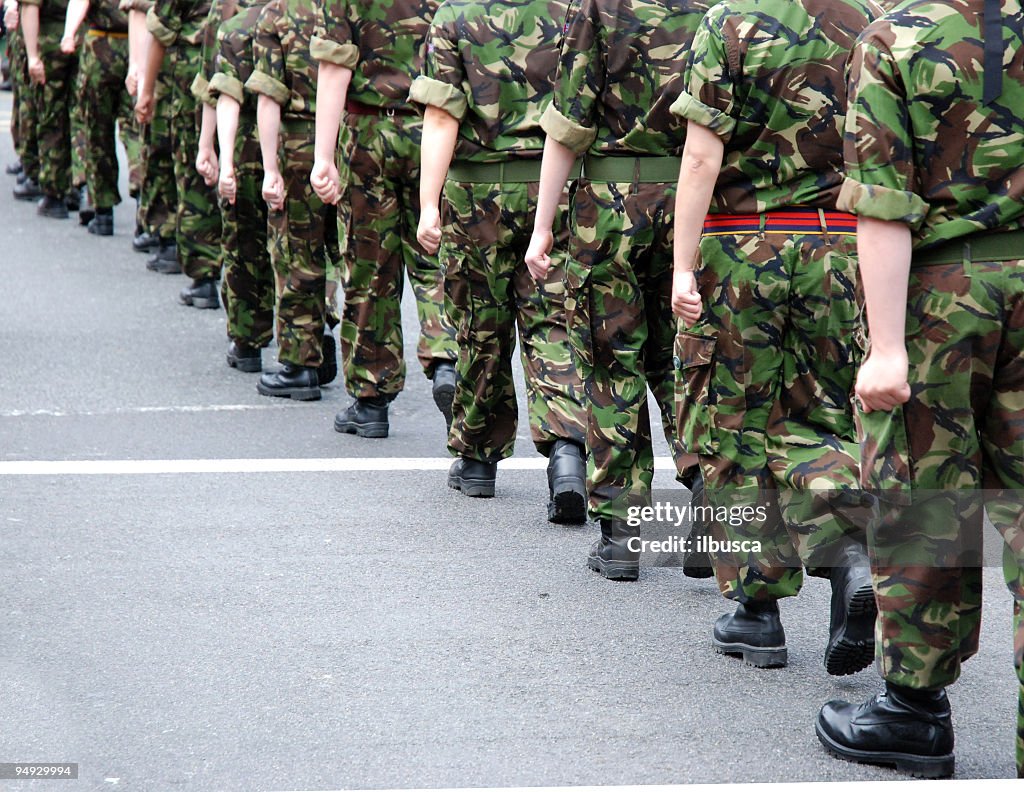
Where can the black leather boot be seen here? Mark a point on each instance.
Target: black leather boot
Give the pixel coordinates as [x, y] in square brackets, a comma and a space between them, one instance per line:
[567, 483]
[244, 357]
[165, 260]
[444, 389]
[293, 382]
[14, 168]
[473, 478]
[366, 417]
[201, 294]
[754, 631]
[909, 729]
[328, 370]
[144, 242]
[86, 211]
[851, 643]
[611, 555]
[52, 207]
[697, 563]
[103, 223]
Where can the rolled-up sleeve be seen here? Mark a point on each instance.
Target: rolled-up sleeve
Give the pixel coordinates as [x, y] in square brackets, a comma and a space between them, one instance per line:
[333, 41]
[579, 81]
[708, 94]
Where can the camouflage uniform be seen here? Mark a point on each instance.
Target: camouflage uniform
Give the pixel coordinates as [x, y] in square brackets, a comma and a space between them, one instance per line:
[926, 149]
[304, 236]
[178, 25]
[766, 376]
[247, 288]
[23, 124]
[489, 221]
[103, 66]
[52, 102]
[611, 101]
[158, 193]
[382, 42]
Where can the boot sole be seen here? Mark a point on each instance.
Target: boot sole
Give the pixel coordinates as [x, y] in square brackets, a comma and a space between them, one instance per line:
[101, 233]
[472, 488]
[171, 270]
[917, 766]
[204, 303]
[444, 397]
[298, 394]
[248, 365]
[846, 657]
[756, 656]
[568, 508]
[615, 570]
[374, 430]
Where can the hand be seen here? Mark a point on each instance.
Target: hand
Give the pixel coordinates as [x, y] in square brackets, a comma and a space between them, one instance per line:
[273, 190]
[882, 380]
[227, 186]
[325, 181]
[429, 231]
[686, 303]
[131, 81]
[68, 44]
[36, 71]
[144, 105]
[207, 166]
[11, 18]
[538, 258]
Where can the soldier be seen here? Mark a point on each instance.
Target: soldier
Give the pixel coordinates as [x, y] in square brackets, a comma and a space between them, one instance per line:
[176, 27]
[611, 102]
[248, 283]
[23, 126]
[766, 373]
[490, 197]
[103, 67]
[52, 74]
[369, 52]
[934, 173]
[304, 230]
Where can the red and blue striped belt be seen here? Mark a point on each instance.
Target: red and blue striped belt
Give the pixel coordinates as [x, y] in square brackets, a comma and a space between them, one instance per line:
[799, 220]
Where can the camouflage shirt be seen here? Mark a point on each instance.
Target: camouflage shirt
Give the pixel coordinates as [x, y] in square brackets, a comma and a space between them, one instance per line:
[107, 15]
[136, 5]
[285, 71]
[208, 57]
[769, 79]
[920, 146]
[233, 64]
[618, 74]
[491, 64]
[382, 41]
[172, 20]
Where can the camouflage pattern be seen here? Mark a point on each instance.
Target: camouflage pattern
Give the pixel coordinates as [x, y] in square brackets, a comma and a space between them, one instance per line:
[23, 117]
[106, 103]
[776, 97]
[382, 41]
[383, 155]
[896, 153]
[79, 132]
[159, 193]
[52, 106]
[304, 236]
[764, 386]
[179, 26]
[248, 281]
[960, 431]
[619, 74]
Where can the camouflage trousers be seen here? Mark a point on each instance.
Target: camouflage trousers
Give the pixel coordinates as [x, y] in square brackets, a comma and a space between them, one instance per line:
[383, 155]
[247, 286]
[107, 107]
[197, 229]
[765, 381]
[957, 449]
[158, 197]
[618, 309]
[23, 129]
[488, 292]
[52, 105]
[304, 245]
[79, 131]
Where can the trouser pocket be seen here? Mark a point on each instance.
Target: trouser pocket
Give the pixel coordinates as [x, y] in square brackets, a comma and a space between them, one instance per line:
[695, 409]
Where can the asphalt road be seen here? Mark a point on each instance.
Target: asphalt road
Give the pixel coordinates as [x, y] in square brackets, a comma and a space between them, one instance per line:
[354, 628]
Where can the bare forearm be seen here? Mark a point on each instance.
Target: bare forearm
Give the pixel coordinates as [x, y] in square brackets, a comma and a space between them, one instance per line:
[440, 135]
[554, 173]
[331, 94]
[698, 174]
[75, 16]
[138, 38]
[154, 63]
[268, 120]
[883, 253]
[227, 129]
[208, 127]
[30, 30]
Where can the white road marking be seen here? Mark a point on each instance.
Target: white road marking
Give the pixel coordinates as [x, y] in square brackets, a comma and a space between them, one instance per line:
[199, 408]
[152, 467]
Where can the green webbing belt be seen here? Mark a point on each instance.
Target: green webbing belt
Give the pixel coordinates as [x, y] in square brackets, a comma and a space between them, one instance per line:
[624, 170]
[511, 172]
[999, 246]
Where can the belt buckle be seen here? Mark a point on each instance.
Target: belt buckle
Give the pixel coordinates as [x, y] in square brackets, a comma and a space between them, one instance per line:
[390, 112]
